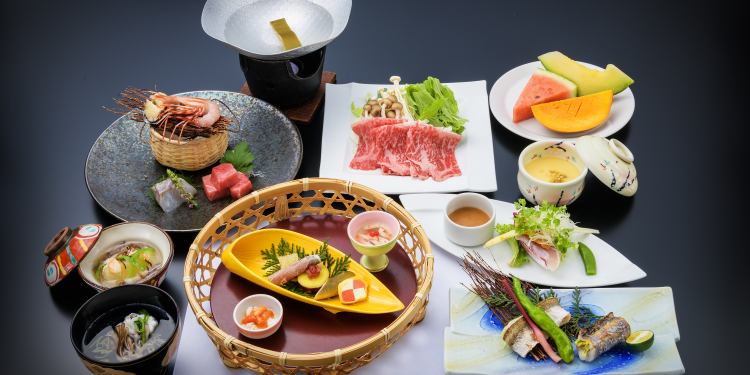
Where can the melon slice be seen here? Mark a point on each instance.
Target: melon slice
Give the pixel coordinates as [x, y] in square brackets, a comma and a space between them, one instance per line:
[543, 87]
[589, 81]
[576, 114]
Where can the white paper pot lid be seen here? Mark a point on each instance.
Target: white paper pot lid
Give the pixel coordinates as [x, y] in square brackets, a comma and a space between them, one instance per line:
[610, 161]
[245, 24]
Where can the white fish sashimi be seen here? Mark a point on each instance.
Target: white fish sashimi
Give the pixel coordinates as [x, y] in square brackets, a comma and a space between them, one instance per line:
[168, 196]
[547, 257]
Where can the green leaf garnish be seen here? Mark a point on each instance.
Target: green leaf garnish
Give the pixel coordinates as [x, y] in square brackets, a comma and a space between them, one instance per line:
[241, 158]
[434, 102]
[356, 111]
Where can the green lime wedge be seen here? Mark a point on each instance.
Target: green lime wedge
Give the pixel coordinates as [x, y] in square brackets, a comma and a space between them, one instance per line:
[640, 340]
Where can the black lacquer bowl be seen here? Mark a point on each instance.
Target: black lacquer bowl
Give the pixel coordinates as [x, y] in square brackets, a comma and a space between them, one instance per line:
[155, 362]
[120, 167]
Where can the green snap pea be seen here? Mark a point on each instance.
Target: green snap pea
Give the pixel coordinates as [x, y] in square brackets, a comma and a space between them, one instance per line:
[589, 260]
[564, 347]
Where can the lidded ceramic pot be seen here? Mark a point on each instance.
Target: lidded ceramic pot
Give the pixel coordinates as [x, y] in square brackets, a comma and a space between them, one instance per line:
[67, 249]
[609, 160]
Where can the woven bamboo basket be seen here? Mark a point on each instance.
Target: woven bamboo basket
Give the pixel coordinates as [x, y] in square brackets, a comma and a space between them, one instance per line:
[188, 155]
[308, 196]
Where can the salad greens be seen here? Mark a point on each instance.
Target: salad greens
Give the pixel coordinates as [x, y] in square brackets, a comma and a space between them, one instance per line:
[545, 224]
[434, 102]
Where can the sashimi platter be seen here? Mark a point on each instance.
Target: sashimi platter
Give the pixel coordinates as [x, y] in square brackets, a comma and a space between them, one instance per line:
[324, 274]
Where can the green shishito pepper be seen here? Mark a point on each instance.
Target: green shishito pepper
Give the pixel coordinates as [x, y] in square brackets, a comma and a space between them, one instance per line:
[564, 347]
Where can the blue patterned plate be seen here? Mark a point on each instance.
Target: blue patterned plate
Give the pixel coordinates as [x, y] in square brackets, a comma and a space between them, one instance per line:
[473, 345]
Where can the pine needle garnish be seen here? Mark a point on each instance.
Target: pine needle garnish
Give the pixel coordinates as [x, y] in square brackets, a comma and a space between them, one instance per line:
[271, 256]
[580, 318]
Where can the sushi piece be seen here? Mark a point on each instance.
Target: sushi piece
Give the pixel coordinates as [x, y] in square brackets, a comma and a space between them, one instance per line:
[284, 275]
[224, 176]
[607, 332]
[519, 336]
[212, 191]
[169, 196]
[241, 187]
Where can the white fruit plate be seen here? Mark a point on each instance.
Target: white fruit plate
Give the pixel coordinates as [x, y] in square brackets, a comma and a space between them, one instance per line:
[612, 267]
[507, 88]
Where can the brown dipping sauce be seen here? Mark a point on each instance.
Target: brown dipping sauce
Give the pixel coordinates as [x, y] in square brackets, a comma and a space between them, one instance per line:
[469, 216]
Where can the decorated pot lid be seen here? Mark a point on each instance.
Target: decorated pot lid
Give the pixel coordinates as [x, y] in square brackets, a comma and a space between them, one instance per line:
[66, 250]
[610, 161]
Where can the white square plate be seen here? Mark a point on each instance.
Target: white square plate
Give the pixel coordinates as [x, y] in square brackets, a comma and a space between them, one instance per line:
[474, 153]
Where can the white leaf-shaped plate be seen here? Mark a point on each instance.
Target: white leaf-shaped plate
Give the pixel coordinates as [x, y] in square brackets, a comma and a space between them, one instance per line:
[612, 267]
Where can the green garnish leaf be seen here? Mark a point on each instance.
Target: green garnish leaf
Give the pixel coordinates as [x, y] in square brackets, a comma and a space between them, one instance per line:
[356, 111]
[141, 324]
[434, 102]
[241, 158]
[519, 255]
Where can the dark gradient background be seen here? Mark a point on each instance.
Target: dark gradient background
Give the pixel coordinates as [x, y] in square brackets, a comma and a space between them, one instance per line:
[63, 60]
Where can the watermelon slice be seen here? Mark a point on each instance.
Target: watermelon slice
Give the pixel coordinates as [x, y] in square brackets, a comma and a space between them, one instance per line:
[543, 87]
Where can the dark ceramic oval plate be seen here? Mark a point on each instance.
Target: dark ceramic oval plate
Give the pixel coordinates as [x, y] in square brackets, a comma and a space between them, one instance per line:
[307, 328]
[120, 168]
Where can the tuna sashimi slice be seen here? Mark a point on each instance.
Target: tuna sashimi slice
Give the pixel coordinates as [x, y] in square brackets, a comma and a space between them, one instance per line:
[547, 257]
[224, 176]
[212, 192]
[242, 187]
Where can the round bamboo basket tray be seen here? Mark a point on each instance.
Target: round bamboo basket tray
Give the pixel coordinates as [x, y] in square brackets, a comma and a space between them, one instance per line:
[308, 196]
[188, 155]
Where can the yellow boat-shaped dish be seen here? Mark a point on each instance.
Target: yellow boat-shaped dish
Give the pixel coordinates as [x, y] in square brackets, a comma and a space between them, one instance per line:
[242, 257]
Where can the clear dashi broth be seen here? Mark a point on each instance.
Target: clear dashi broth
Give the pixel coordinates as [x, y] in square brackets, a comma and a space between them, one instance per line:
[127, 263]
[100, 341]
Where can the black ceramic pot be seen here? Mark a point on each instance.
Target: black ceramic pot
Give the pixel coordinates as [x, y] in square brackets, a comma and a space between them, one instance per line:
[284, 83]
[155, 363]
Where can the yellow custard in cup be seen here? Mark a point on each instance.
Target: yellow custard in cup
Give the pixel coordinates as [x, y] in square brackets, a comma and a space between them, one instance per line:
[552, 169]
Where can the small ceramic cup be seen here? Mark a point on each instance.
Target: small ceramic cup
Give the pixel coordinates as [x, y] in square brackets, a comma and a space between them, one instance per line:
[537, 191]
[374, 257]
[269, 302]
[464, 235]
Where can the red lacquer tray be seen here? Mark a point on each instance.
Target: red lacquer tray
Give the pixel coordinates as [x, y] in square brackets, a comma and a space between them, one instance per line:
[306, 328]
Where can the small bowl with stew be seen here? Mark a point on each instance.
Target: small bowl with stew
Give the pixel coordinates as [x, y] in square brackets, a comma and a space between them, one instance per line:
[127, 253]
[373, 234]
[469, 219]
[133, 329]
